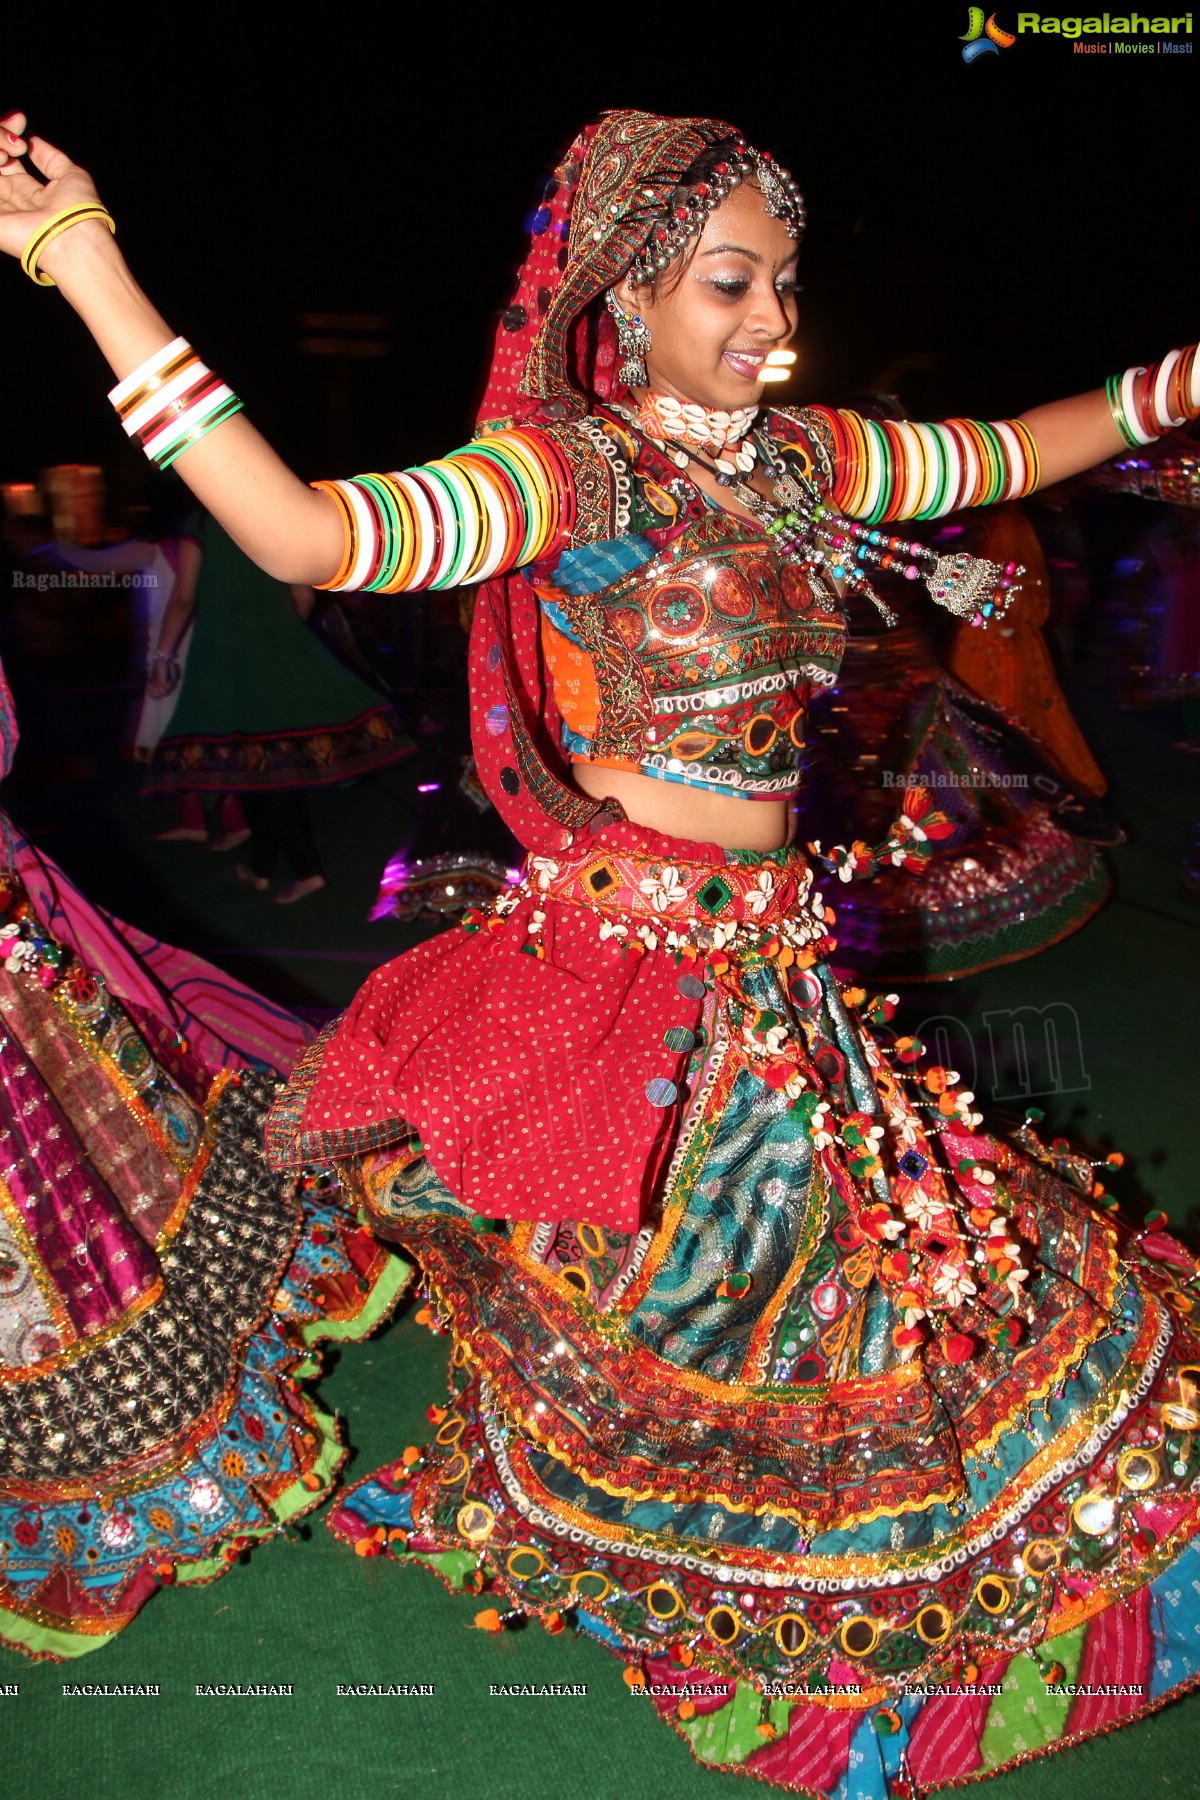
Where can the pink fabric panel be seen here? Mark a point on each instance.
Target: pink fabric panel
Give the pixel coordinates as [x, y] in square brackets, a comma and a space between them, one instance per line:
[944, 1737]
[1118, 1650]
[812, 1753]
[226, 1024]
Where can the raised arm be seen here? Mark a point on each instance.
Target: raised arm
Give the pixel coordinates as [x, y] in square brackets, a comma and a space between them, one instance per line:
[285, 526]
[478, 512]
[888, 470]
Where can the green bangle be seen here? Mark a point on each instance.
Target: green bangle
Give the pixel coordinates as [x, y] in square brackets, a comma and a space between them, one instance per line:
[391, 530]
[939, 493]
[1112, 393]
[192, 434]
[882, 448]
[997, 464]
[520, 479]
[462, 547]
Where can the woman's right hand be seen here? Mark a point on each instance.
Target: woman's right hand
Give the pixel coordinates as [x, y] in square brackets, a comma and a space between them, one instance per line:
[26, 204]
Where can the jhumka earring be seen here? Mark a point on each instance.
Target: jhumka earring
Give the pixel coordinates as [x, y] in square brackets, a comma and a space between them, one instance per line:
[633, 341]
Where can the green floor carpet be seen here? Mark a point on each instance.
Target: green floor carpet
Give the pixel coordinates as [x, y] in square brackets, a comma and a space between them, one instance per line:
[309, 1613]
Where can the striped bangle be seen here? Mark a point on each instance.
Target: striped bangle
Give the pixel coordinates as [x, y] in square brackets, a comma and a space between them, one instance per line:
[1148, 403]
[951, 453]
[495, 505]
[171, 401]
[899, 469]
[54, 227]
[971, 483]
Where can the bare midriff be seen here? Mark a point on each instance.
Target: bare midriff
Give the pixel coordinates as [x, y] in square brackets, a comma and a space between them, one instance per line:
[733, 823]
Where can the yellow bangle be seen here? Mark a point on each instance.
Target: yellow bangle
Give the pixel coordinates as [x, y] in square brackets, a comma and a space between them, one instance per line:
[1033, 461]
[62, 221]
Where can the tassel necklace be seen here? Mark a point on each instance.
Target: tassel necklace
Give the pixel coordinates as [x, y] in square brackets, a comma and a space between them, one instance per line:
[808, 531]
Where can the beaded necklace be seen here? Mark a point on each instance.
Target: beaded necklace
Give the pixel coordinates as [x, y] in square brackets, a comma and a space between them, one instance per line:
[808, 531]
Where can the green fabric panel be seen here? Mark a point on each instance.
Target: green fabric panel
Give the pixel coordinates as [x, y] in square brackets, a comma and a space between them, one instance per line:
[453, 1566]
[41, 1640]
[731, 1735]
[395, 1278]
[1025, 1716]
[254, 666]
[196, 1573]
[294, 1499]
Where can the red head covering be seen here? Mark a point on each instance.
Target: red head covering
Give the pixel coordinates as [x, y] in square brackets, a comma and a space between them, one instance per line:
[554, 358]
[554, 352]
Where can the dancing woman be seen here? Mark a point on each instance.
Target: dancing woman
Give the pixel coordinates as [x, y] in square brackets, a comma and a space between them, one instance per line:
[772, 1368]
[161, 1291]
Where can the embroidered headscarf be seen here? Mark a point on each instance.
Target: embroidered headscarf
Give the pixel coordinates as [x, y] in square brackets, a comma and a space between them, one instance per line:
[554, 351]
[554, 358]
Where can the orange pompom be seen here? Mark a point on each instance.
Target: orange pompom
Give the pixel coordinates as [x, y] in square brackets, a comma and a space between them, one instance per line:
[686, 1709]
[410, 1455]
[488, 1620]
[554, 1623]
[633, 1678]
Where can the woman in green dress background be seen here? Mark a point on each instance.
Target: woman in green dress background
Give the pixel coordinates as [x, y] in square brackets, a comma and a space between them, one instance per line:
[265, 711]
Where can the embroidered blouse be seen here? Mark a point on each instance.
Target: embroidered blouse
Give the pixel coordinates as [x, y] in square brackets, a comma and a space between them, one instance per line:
[679, 643]
[676, 639]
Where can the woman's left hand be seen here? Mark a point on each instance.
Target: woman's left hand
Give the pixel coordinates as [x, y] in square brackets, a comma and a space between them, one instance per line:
[163, 678]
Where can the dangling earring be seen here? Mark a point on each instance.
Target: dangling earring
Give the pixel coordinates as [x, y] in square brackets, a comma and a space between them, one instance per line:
[633, 341]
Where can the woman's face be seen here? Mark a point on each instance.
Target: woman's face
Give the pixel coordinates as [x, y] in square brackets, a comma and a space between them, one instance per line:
[711, 329]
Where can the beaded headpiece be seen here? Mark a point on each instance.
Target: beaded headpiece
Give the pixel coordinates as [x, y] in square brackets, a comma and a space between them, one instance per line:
[602, 210]
[690, 207]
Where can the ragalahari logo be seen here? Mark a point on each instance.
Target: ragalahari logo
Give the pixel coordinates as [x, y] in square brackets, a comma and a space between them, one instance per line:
[984, 37]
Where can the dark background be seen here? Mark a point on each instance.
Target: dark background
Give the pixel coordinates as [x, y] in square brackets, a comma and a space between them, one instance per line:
[1027, 223]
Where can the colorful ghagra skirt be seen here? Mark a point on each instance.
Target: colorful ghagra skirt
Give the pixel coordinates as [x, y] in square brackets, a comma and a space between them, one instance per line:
[866, 1439]
[161, 1294]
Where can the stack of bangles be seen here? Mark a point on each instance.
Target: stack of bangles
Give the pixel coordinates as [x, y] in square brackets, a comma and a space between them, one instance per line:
[895, 469]
[506, 499]
[1147, 403]
[503, 501]
[171, 401]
